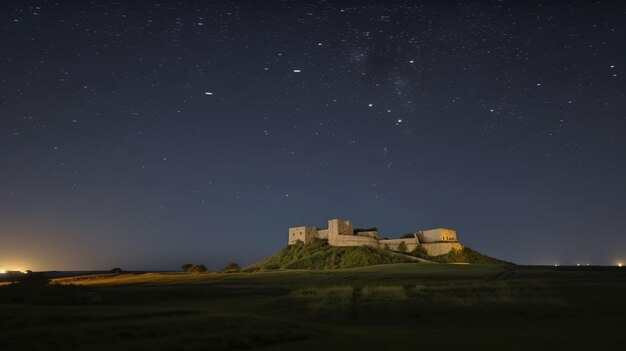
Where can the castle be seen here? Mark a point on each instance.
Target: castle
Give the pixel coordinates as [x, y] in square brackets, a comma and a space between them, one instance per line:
[341, 233]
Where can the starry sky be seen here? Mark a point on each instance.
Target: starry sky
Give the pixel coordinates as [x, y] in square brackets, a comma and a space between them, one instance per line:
[147, 134]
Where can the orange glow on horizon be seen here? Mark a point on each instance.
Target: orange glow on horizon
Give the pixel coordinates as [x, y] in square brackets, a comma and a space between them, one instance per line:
[6, 270]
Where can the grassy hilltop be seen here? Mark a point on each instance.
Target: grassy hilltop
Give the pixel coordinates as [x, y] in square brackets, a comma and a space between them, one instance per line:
[318, 254]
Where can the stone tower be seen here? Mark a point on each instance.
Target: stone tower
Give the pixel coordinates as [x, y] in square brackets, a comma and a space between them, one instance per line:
[338, 227]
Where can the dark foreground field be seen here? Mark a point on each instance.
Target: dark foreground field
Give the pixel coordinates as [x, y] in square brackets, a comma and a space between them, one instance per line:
[400, 306]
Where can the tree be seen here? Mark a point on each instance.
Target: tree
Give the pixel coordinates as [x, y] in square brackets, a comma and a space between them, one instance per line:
[116, 270]
[198, 268]
[402, 247]
[193, 268]
[231, 267]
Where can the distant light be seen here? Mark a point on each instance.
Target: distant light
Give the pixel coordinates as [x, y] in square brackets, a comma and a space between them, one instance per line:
[412, 61]
[208, 93]
[578, 264]
[296, 71]
[5, 271]
[620, 264]
[370, 105]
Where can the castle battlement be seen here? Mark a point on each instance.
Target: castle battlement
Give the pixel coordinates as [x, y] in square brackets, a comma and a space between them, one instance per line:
[438, 241]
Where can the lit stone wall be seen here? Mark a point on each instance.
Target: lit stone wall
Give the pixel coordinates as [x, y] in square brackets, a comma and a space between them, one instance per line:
[339, 227]
[304, 234]
[353, 240]
[322, 234]
[435, 235]
[393, 244]
[370, 234]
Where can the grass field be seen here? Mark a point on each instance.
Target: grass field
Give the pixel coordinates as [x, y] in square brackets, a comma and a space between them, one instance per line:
[395, 306]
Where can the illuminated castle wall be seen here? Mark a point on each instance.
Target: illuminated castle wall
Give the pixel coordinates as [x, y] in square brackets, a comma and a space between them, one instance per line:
[341, 233]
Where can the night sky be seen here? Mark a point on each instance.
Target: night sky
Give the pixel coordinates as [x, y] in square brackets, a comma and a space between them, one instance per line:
[146, 135]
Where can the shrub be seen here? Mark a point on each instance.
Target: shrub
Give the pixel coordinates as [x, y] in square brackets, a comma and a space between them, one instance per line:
[272, 266]
[116, 270]
[408, 236]
[420, 252]
[193, 268]
[402, 247]
[231, 267]
[198, 268]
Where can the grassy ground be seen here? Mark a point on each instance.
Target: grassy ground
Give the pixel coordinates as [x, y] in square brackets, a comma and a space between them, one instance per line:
[439, 307]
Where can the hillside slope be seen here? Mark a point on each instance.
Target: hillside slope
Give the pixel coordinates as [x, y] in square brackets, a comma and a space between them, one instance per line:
[465, 255]
[319, 255]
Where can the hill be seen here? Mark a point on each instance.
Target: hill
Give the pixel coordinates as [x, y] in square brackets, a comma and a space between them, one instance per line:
[320, 255]
[466, 255]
